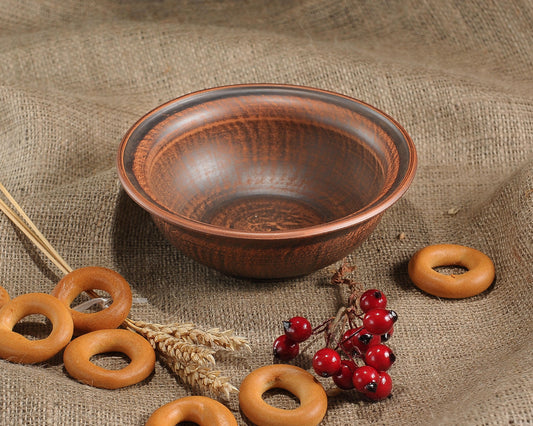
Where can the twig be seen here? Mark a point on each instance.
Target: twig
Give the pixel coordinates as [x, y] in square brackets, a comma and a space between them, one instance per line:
[33, 234]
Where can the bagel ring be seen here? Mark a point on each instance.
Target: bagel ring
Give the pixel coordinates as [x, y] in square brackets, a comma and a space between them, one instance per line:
[302, 384]
[95, 278]
[198, 409]
[477, 279]
[78, 353]
[17, 348]
[4, 296]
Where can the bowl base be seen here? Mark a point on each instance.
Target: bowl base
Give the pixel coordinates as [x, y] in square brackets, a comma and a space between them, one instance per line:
[265, 213]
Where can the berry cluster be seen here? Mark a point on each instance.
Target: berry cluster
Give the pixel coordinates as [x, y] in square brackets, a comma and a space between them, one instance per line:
[353, 356]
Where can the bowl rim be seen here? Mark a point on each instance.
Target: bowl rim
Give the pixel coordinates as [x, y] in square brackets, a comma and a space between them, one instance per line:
[311, 231]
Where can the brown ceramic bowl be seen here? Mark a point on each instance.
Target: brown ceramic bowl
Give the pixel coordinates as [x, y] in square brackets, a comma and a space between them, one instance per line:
[266, 181]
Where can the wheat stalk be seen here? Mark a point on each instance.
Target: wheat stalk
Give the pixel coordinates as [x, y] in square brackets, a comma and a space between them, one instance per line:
[187, 350]
[212, 338]
[173, 347]
[202, 377]
[180, 347]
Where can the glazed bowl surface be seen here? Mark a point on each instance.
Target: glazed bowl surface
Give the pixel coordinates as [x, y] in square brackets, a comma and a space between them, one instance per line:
[266, 181]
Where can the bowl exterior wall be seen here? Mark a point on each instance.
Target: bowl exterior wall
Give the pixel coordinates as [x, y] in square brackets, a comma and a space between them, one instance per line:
[266, 181]
[267, 259]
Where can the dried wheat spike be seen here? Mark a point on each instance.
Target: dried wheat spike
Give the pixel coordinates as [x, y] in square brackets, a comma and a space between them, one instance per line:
[173, 347]
[202, 377]
[213, 337]
[187, 351]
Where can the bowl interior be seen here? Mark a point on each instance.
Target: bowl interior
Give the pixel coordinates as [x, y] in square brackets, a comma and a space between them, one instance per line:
[265, 159]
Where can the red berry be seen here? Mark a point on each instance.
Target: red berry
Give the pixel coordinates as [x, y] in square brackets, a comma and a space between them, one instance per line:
[379, 320]
[358, 340]
[365, 340]
[372, 299]
[298, 329]
[347, 340]
[380, 357]
[383, 388]
[285, 349]
[327, 362]
[343, 379]
[365, 378]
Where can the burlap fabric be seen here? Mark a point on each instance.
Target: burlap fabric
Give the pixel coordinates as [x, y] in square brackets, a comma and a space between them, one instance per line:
[74, 76]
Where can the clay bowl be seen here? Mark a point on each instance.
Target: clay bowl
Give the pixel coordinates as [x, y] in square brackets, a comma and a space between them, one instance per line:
[266, 181]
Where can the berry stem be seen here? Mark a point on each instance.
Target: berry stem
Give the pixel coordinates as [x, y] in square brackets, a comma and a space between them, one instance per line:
[339, 319]
[322, 327]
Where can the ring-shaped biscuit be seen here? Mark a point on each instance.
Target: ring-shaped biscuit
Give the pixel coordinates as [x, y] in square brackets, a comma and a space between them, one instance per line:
[78, 353]
[96, 278]
[17, 348]
[477, 279]
[302, 384]
[4, 296]
[198, 409]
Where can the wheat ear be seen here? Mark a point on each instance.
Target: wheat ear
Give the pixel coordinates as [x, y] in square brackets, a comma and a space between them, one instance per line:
[212, 338]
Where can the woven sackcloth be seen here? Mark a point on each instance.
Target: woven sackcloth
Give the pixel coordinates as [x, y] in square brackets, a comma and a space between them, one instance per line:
[458, 75]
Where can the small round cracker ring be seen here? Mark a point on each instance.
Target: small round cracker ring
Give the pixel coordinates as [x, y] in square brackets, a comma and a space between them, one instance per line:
[4, 296]
[302, 384]
[78, 353]
[96, 278]
[17, 348]
[477, 279]
[198, 409]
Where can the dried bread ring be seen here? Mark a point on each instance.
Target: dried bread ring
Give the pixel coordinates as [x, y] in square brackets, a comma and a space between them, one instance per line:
[477, 279]
[78, 353]
[17, 348]
[198, 409]
[302, 384]
[4, 296]
[96, 278]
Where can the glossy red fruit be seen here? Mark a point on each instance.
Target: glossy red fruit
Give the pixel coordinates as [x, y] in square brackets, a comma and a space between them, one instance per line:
[344, 378]
[372, 299]
[298, 329]
[380, 357]
[347, 340]
[379, 320]
[285, 349]
[358, 340]
[365, 379]
[327, 362]
[383, 388]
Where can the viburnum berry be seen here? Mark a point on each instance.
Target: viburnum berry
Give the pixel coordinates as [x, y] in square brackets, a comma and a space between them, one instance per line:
[372, 299]
[383, 388]
[285, 349]
[326, 362]
[380, 357]
[358, 340]
[365, 379]
[347, 340]
[344, 378]
[379, 320]
[298, 329]
[365, 340]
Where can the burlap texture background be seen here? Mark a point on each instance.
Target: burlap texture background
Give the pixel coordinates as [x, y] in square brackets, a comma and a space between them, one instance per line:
[74, 76]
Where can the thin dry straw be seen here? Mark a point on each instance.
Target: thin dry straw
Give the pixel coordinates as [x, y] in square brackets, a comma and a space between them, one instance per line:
[29, 229]
[25, 224]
